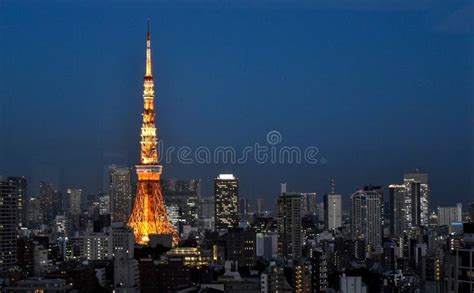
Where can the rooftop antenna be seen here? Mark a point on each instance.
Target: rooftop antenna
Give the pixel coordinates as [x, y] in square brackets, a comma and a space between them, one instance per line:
[333, 186]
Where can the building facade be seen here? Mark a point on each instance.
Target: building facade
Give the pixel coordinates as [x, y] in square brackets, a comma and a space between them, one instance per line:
[8, 223]
[120, 193]
[226, 197]
[332, 211]
[400, 212]
[419, 193]
[448, 215]
[367, 218]
[289, 226]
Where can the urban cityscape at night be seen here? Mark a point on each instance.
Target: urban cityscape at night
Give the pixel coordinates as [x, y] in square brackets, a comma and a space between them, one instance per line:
[237, 146]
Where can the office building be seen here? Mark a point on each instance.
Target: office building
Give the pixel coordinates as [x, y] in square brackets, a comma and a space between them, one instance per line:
[185, 195]
[260, 206]
[351, 284]
[75, 201]
[302, 279]
[123, 239]
[242, 247]
[120, 193]
[226, 196]
[308, 203]
[289, 226]
[267, 245]
[319, 271]
[8, 223]
[273, 280]
[400, 211]
[448, 215]
[22, 199]
[332, 211]
[367, 217]
[418, 190]
[51, 202]
[243, 207]
[459, 270]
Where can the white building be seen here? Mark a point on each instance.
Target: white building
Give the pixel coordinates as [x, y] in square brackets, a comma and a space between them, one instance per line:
[351, 284]
[332, 211]
[448, 215]
[267, 245]
[96, 246]
[123, 239]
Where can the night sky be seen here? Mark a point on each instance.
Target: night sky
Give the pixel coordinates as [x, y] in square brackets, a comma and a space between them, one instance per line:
[380, 89]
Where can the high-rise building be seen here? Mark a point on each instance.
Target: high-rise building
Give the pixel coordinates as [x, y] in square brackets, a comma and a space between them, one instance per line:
[241, 247]
[185, 195]
[308, 203]
[332, 211]
[260, 206]
[34, 218]
[75, 201]
[51, 202]
[8, 223]
[243, 206]
[207, 208]
[400, 210]
[226, 195]
[302, 279]
[418, 191]
[120, 193]
[273, 280]
[283, 188]
[319, 271]
[367, 217]
[149, 214]
[448, 215]
[22, 199]
[289, 226]
[61, 226]
[459, 270]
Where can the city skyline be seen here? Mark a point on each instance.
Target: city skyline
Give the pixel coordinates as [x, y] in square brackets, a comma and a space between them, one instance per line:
[359, 112]
[329, 76]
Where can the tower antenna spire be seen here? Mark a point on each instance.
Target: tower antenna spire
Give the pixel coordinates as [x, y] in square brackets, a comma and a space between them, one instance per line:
[149, 215]
[148, 27]
[148, 71]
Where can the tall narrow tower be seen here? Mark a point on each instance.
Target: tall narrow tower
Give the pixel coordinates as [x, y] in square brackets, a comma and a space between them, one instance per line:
[149, 214]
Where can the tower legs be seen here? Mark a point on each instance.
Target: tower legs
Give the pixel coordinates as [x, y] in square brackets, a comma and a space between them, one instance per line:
[149, 214]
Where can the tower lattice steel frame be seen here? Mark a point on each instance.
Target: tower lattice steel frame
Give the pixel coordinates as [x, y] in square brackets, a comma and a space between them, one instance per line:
[149, 214]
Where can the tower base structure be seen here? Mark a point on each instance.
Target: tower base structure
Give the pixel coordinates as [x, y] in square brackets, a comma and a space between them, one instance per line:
[149, 214]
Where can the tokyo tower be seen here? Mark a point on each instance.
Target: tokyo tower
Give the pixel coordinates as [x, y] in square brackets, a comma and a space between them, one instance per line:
[149, 214]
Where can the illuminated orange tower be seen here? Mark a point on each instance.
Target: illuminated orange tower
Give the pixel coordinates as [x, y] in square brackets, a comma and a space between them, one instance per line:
[149, 214]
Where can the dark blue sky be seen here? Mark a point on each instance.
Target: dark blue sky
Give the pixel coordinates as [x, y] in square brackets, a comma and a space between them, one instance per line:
[380, 89]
